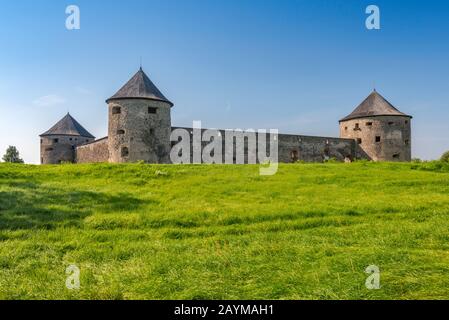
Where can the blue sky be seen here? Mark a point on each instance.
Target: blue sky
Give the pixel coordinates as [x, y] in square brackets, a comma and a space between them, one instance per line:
[297, 66]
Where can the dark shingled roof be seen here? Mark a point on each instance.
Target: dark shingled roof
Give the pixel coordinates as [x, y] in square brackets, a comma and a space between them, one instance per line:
[139, 87]
[68, 126]
[374, 105]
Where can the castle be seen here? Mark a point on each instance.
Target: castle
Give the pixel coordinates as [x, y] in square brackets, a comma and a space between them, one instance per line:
[140, 126]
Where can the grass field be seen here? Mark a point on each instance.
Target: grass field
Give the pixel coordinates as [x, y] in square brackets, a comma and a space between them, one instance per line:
[224, 232]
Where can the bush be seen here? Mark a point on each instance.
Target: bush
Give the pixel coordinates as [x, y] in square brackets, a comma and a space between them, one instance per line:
[445, 157]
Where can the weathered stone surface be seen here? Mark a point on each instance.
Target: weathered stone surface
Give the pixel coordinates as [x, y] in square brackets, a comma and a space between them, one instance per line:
[97, 151]
[381, 138]
[60, 148]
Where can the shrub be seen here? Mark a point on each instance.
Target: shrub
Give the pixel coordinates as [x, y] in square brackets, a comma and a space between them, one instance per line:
[445, 157]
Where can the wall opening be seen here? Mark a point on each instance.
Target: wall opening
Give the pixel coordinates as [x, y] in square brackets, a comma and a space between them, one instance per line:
[396, 155]
[49, 149]
[357, 126]
[369, 124]
[390, 123]
[125, 152]
[116, 110]
[407, 142]
[406, 121]
[152, 110]
[359, 140]
[55, 140]
[120, 131]
[294, 155]
[377, 138]
[151, 131]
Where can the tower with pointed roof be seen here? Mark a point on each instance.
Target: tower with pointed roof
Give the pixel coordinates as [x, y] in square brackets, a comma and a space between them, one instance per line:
[58, 144]
[139, 122]
[382, 132]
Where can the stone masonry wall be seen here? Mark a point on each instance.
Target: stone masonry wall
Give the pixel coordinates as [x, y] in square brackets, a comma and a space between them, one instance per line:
[94, 152]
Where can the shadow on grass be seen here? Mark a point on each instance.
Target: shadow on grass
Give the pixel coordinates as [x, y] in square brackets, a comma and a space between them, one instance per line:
[32, 206]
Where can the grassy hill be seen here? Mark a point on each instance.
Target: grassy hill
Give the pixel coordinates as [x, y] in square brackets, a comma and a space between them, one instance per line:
[210, 232]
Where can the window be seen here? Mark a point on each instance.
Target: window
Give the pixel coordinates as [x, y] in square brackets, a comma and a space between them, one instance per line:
[396, 156]
[42, 160]
[359, 140]
[120, 131]
[42, 141]
[49, 149]
[377, 138]
[406, 121]
[346, 128]
[55, 140]
[357, 126]
[369, 124]
[390, 123]
[152, 110]
[407, 142]
[125, 152]
[116, 110]
[294, 155]
[151, 131]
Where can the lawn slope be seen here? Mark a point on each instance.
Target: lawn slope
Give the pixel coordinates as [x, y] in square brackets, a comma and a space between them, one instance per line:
[224, 232]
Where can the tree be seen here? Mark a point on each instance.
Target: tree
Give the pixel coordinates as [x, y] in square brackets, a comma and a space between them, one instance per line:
[445, 157]
[12, 155]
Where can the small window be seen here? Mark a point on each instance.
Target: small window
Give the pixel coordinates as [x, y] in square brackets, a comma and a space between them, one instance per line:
[152, 110]
[49, 149]
[55, 140]
[346, 128]
[377, 138]
[294, 155]
[125, 152]
[70, 139]
[390, 123]
[407, 142]
[42, 160]
[151, 131]
[359, 140]
[116, 110]
[406, 121]
[369, 124]
[357, 126]
[396, 156]
[120, 131]
[42, 141]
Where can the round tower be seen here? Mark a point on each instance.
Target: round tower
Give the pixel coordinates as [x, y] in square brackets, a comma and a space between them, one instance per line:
[139, 123]
[59, 143]
[382, 132]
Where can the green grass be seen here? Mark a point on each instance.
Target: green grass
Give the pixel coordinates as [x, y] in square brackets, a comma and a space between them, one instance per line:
[224, 232]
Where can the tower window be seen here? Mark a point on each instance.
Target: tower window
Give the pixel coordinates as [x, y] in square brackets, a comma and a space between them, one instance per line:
[390, 123]
[125, 152]
[396, 156]
[116, 110]
[359, 140]
[346, 128]
[377, 138]
[42, 141]
[55, 140]
[369, 124]
[49, 149]
[151, 131]
[120, 131]
[407, 142]
[357, 126]
[152, 110]
[406, 121]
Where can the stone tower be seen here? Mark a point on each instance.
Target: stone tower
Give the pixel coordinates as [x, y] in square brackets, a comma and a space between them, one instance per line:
[382, 132]
[139, 122]
[59, 143]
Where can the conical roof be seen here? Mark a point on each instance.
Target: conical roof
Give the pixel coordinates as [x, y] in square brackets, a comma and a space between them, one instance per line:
[68, 126]
[374, 105]
[139, 87]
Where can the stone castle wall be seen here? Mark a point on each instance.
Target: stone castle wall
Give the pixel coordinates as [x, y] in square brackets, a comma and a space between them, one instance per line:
[381, 138]
[291, 148]
[93, 152]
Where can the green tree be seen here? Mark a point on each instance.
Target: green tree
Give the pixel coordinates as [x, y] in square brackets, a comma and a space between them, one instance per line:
[445, 157]
[12, 155]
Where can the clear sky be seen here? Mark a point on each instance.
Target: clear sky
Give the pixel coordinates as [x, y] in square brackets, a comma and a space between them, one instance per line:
[296, 66]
